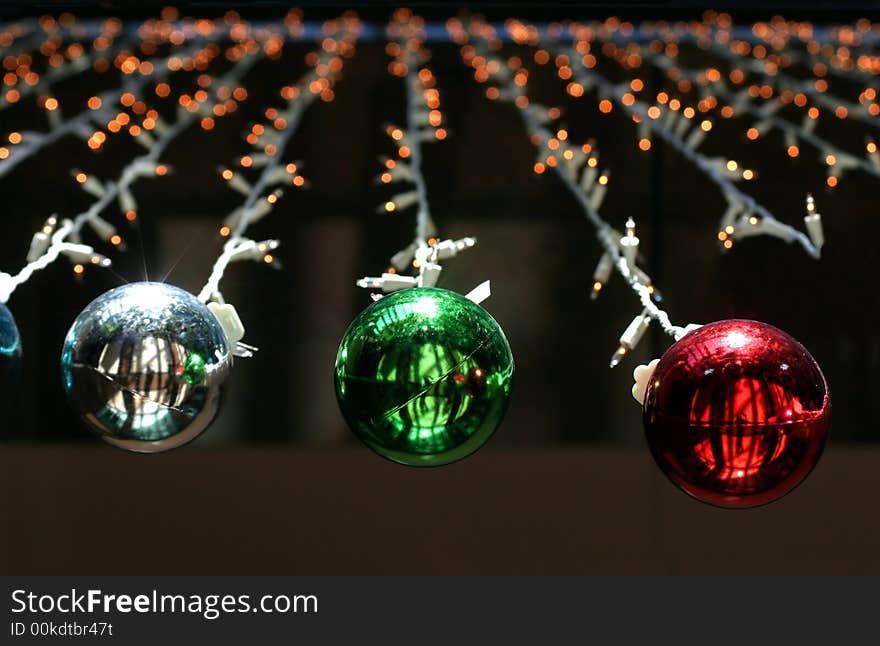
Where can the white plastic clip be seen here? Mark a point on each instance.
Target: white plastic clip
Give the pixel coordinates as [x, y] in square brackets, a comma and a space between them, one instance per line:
[642, 375]
[388, 282]
[480, 293]
[231, 324]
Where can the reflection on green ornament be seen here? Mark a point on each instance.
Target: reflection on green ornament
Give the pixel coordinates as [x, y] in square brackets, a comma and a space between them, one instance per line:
[194, 369]
[423, 376]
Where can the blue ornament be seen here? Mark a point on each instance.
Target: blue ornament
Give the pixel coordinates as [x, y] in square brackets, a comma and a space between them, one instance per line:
[10, 348]
[144, 364]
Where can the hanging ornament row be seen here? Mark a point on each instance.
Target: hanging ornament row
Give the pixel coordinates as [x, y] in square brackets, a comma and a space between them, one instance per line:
[736, 412]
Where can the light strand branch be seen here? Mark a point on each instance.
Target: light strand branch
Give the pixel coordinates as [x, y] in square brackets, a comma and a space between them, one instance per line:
[424, 124]
[835, 158]
[270, 147]
[738, 45]
[256, 204]
[20, 35]
[143, 166]
[31, 143]
[571, 165]
[744, 212]
[29, 38]
[711, 87]
[106, 46]
[723, 45]
[414, 105]
[58, 245]
[813, 57]
[414, 102]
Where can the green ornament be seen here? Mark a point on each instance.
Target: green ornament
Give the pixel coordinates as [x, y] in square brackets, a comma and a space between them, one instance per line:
[194, 369]
[423, 376]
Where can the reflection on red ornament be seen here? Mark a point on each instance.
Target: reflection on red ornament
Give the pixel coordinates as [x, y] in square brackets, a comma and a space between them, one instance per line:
[737, 413]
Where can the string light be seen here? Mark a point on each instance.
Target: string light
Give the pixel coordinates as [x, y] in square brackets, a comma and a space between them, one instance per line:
[756, 66]
[772, 76]
[259, 200]
[423, 123]
[45, 249]
[27, 82]
[619, 251]
[83, 123]
[629, 243]
[766, 116]
[813, 222]
[723, 173]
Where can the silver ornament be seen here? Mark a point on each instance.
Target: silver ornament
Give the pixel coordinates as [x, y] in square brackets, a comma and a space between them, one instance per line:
[144, 364]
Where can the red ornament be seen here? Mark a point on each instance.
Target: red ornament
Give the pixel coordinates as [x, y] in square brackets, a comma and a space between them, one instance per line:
[737, 413]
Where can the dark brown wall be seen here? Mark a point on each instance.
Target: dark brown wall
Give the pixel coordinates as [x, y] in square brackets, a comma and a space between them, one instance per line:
[92, 510]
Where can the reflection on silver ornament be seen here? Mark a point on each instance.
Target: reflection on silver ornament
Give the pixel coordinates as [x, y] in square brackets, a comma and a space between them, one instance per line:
[144, 365]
